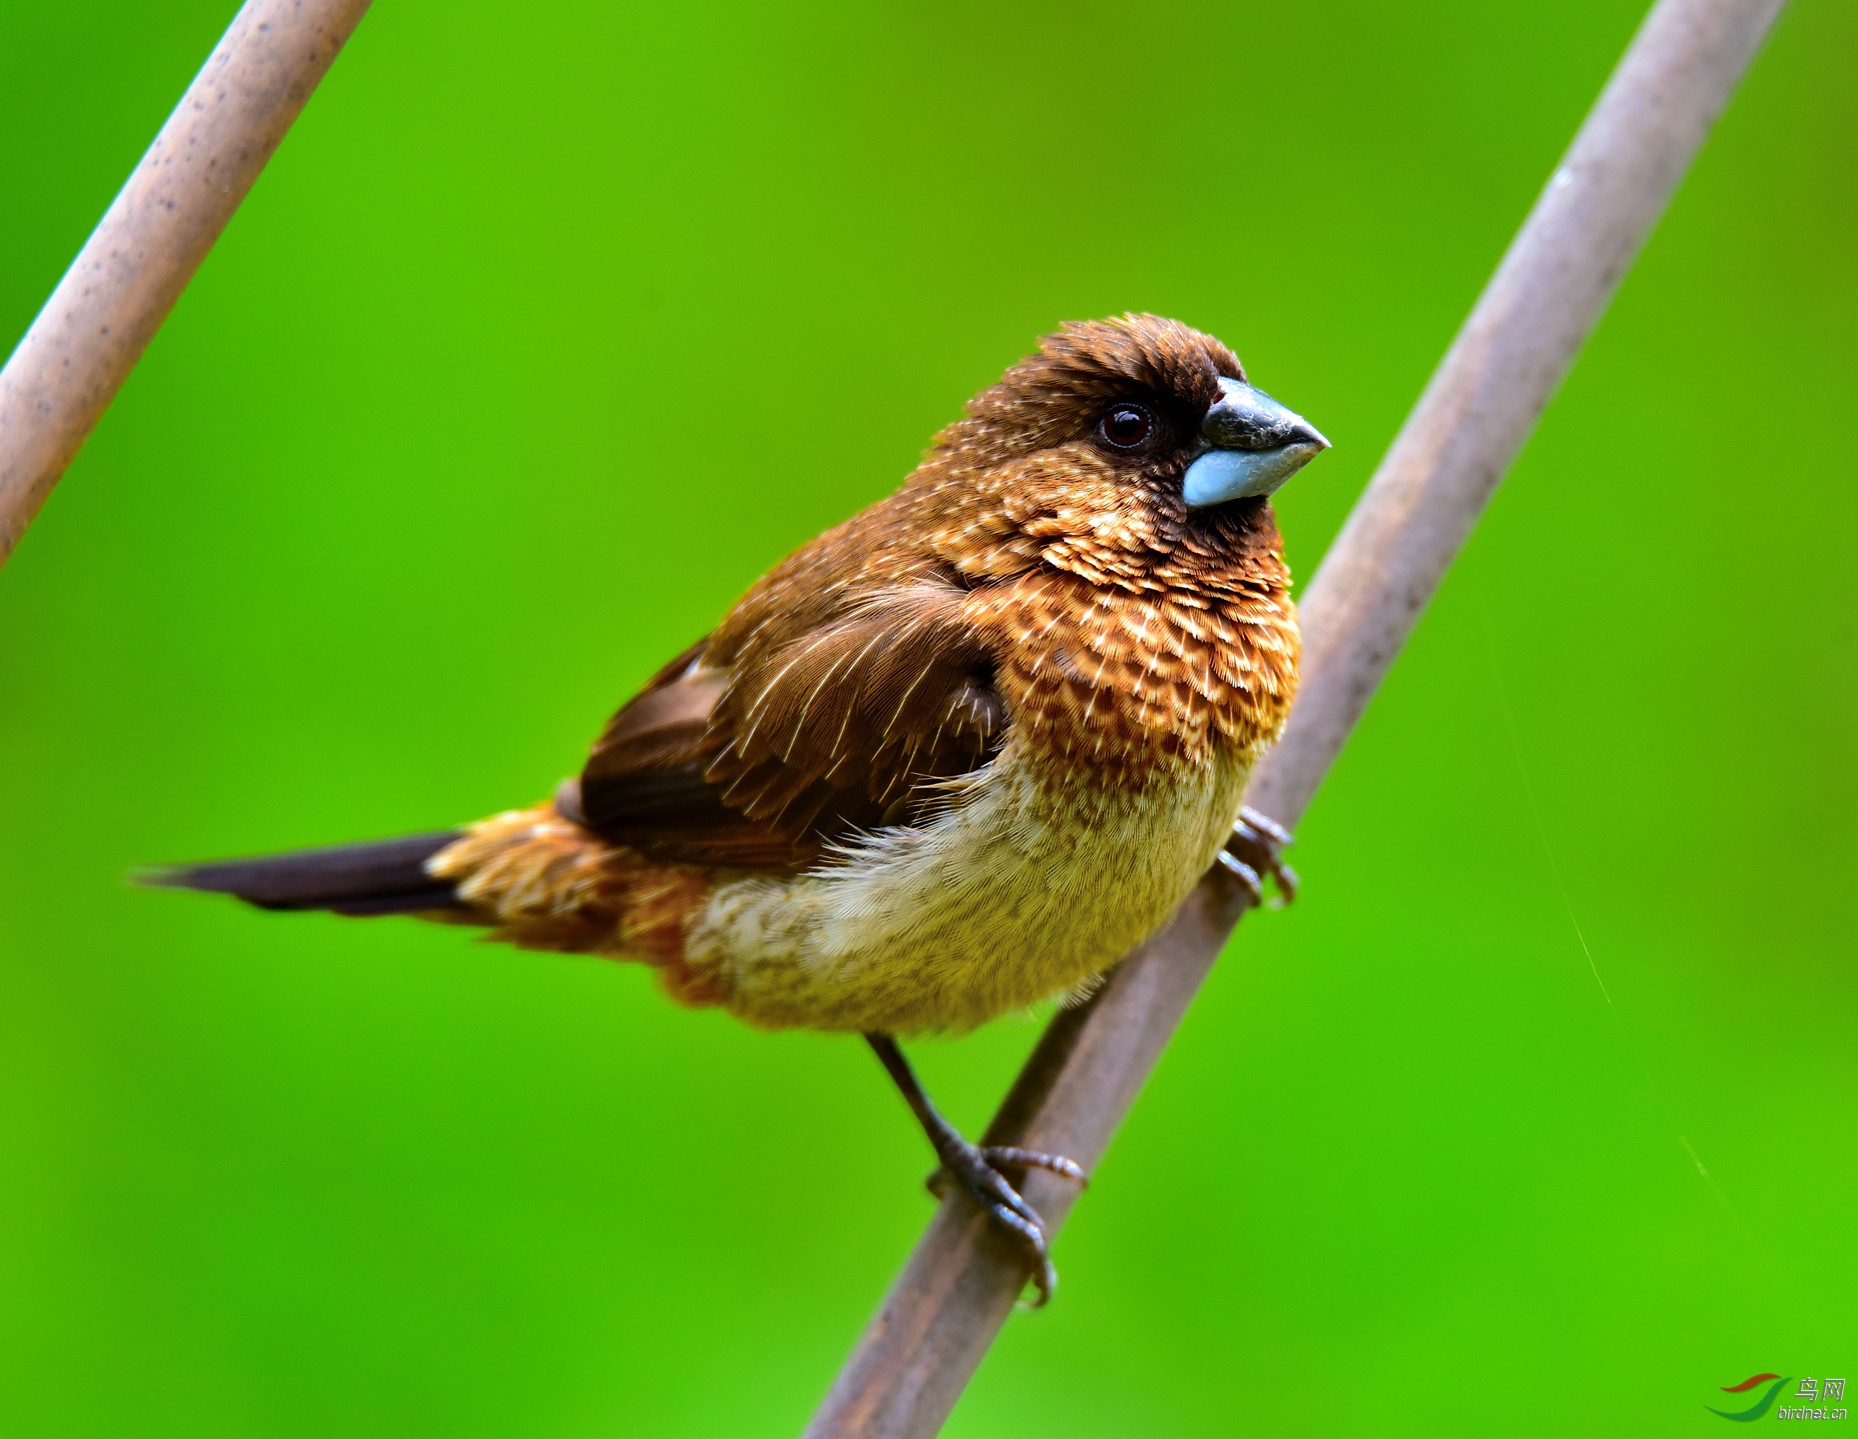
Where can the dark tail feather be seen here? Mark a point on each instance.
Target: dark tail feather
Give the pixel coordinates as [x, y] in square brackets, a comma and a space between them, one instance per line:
[384, 876]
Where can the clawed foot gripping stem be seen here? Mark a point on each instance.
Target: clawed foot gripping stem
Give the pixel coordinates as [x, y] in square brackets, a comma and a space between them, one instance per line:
[979, 1170]
[1254, 849]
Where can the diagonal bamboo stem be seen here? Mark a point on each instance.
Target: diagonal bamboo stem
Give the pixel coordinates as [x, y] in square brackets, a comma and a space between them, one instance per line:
[93, 329]
[959, 1284]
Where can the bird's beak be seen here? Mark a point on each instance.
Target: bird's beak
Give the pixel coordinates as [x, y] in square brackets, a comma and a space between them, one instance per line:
[1253, 445]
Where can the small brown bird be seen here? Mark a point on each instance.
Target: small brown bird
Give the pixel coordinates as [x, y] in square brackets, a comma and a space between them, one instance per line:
[952, 758]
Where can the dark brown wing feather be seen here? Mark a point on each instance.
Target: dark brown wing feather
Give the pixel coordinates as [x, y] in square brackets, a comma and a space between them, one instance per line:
[802, 740]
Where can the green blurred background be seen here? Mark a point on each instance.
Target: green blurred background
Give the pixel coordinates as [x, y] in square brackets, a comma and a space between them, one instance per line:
[546, 331]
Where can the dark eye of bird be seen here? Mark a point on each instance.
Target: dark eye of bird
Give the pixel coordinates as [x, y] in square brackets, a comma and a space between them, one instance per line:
[1126, 426]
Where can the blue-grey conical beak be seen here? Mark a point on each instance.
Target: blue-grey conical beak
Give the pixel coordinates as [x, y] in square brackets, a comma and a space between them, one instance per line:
[1256, 444]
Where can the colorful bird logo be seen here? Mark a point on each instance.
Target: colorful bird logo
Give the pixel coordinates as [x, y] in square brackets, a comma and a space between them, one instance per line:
[1760, 1406]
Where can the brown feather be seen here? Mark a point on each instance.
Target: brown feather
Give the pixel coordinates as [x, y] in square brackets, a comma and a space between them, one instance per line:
[770, 745]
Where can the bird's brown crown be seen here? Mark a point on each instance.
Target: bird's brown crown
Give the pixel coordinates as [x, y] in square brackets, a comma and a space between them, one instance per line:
[1055, 397]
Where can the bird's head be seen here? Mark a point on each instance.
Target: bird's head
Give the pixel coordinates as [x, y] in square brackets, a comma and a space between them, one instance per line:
[1119, 442]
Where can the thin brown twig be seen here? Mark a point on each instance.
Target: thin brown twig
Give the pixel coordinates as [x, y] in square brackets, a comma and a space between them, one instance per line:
[85, 341]
[959, 1284]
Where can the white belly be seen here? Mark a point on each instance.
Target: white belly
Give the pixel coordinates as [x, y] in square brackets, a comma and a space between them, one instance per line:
[1013, 894]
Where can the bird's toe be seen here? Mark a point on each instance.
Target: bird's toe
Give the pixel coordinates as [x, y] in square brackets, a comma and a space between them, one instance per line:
[1007, 1156]
[1255, 849]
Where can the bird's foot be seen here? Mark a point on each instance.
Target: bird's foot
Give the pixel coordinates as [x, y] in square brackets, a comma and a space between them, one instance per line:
[977, 1169]
[1254, 849]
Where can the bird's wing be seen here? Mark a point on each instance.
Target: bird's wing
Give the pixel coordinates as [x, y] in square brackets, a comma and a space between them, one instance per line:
[798, 740]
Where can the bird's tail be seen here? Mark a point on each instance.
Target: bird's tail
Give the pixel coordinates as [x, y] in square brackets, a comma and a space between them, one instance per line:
[384, 876]
[534, 877]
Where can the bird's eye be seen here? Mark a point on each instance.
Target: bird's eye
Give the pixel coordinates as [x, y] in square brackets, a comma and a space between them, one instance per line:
[1126, 426]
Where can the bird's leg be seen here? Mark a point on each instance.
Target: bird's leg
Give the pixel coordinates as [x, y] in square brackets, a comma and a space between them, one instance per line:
[978, 1169]
[1254, 849]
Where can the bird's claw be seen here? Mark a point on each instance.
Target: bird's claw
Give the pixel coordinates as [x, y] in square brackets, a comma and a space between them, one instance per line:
[977, 1170]
[1254, 849]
